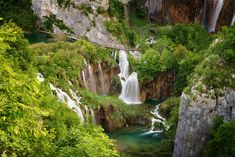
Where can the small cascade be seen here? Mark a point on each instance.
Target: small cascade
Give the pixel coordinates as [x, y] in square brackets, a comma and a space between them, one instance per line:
[70, 83]
[84, 79]
[40, 77]
[233, 20]
[93, 116]
[157, 118]
[91, 79]
[64, 97]
[130, 86]
[101, 76]
[218, 4]
[135, 54]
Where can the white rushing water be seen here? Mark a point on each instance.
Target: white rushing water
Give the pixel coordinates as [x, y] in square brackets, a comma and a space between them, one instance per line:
[101, 77]
[93, 116]
[157, 118]
[233, 20]
[65, 98]
[215, 15]
[73, 102]
[84, 80]
[40, 77]
[91, 79]
[130, 93]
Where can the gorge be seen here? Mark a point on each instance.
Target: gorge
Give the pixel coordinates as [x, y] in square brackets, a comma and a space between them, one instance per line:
[109, 78]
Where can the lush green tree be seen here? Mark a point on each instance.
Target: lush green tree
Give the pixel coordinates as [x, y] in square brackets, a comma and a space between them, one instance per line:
[19, 12]
[33, 122]
[193, 36]
[222, 143]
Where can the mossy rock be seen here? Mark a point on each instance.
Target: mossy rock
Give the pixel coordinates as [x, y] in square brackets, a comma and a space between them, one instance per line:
[115, 86]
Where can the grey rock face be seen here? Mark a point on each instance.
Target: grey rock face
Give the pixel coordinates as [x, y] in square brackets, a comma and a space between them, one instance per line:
[91, 26]
[196, 121]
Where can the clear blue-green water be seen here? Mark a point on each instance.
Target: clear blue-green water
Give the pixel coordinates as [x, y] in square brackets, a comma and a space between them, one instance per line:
[37, 37]
[131, 141]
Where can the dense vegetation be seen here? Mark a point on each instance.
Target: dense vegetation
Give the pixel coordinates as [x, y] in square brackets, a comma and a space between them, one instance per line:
[33, 122]
[222, 139]
[19, 12]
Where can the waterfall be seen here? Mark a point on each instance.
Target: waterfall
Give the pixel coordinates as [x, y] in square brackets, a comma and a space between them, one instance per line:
[157, 118]
[233, 20]
[130, 93]
[65, 98]
[101, 76]
[215, 14]
[91, 79]
[84, 80]
[40, 77]
[135, 54]
[93, 116]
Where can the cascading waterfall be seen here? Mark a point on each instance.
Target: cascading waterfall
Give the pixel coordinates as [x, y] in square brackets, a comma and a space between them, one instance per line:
[130, 93]
[157, 118]
[64, 97]
[91, 79]
[233, 20]
[84, 80]
[215, 14]
[101, 76]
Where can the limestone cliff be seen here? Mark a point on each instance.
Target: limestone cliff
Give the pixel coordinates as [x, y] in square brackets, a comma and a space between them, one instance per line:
[196, 121]
[82, 18]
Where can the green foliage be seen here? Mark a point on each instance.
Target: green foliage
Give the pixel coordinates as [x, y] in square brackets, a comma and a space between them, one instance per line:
[123, 33]
[158, 58]
[65, 3]
[168, 106]
[85, 9]
[187, 61]
[116, 9]
[65, 60]
[216, 70]
[13, 46]
[100, 10]
[193, 36]
[19, 12]
[52, 20]
[33, 122]
[222, 140]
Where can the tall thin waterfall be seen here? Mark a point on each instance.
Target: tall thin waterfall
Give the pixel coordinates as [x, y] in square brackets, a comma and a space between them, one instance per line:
[91, 79]
[64, 97]
[93, 116]
[233, 20]
[101, 76]
[130, 86]
[215, 14]
[84, 80]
